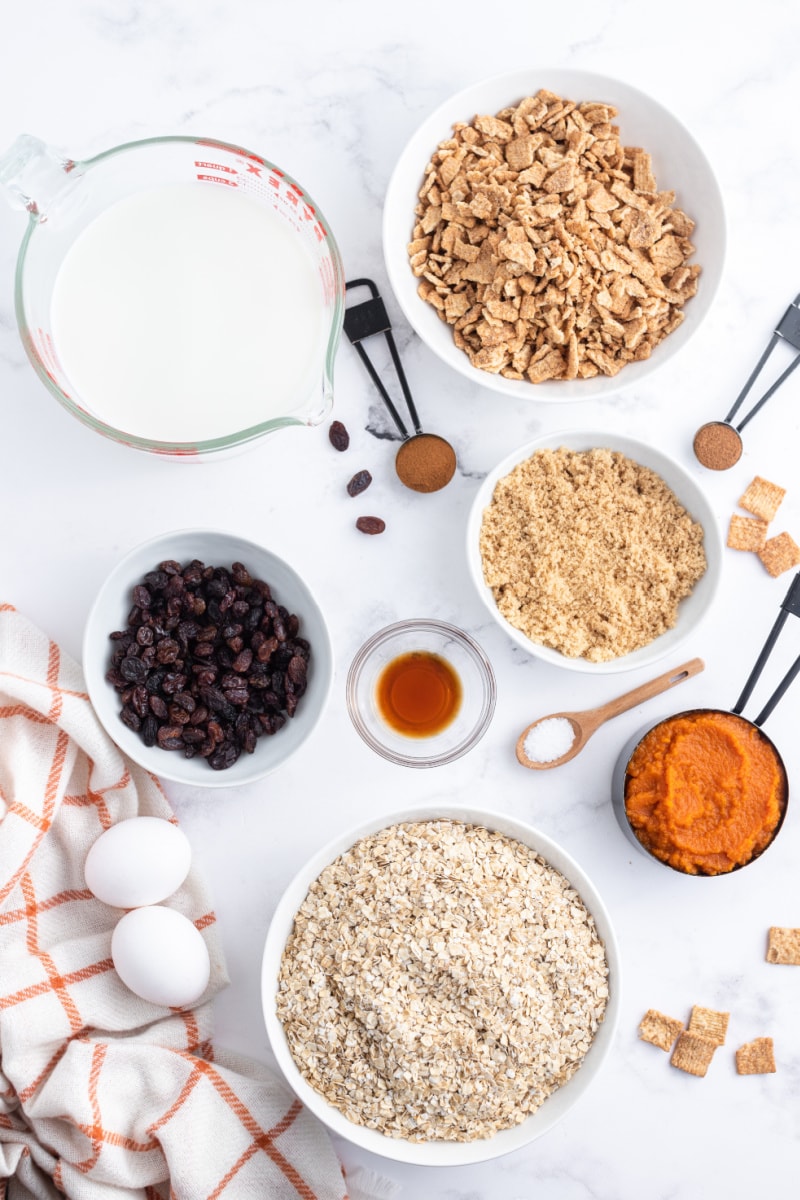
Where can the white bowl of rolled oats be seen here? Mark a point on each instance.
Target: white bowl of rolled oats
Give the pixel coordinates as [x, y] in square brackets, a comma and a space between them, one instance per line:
[547, 228]
[594, 551]
[441, 986]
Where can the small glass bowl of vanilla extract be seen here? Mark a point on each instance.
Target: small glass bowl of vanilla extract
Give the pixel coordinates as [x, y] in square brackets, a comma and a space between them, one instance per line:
[421, 693]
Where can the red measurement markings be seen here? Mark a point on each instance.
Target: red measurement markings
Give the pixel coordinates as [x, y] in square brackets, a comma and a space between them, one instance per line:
[217, 167]
[248, 157]
[217, 179]
[294, 195]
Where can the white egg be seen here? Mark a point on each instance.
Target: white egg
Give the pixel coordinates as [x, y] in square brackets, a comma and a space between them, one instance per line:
[138, 861]
[160, 956]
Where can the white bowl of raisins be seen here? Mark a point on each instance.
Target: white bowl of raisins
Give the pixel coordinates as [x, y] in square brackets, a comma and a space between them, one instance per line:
[207, 658]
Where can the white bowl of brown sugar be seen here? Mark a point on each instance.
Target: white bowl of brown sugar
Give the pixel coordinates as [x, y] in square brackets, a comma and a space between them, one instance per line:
[441, 986]
[594, 551]
[553, 234]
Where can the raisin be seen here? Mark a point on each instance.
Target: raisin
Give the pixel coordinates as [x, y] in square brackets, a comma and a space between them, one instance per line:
[130, 719]
[133, 670]
[168, 650]
[242, 661]
[296, 669]
[370, 524]
[170, 737]
[241, 575]
[149, 731]
[224, 756]
[338, 435]
[359, 483]
[141, 596]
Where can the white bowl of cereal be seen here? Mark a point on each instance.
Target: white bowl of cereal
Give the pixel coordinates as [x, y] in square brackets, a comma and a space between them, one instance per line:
[594, 551]
[398, 978]
[539, 202]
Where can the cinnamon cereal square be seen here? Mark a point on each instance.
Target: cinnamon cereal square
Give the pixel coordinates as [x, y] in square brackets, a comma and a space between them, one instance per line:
[762, 498]
[693, 1053]
[659, 1029]
[746, 533]
[779, 554]
[756, 1057]
[784, 946]
[709, 1023]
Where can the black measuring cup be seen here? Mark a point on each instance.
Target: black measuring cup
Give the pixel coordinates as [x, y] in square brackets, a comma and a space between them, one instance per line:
[789, 607]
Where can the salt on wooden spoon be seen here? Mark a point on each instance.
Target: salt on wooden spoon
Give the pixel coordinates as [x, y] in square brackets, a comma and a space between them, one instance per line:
[555, 739]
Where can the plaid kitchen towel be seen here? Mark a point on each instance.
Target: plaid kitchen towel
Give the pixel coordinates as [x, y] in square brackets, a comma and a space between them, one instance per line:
[102, 1094]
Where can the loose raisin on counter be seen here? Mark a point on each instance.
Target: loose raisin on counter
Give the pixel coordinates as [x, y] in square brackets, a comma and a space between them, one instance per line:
[370, 524]
[338, 435]
[359, 483]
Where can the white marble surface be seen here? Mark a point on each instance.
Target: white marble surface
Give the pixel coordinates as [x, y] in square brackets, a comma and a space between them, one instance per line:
[332, 91]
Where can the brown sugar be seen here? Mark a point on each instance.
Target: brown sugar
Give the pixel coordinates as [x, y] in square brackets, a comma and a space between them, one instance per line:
[588, 552]
[717, 446]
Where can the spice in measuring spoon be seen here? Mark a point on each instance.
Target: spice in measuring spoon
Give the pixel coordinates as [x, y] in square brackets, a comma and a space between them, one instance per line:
[425, 462]
[718, 444]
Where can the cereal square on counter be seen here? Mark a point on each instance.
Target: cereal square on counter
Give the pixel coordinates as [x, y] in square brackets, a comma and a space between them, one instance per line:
[779, 554]
[783, 946]
[747, 533]
[710, 1024]
[659, 1029]
[693, 1053]
[762, 498]
[756, 1057]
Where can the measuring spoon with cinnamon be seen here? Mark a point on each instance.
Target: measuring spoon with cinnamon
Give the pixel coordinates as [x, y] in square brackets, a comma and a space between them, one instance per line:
[425, 462]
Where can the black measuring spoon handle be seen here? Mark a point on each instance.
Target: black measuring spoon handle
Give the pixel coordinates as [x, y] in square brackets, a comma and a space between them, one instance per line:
[780, 692]
[364, 320]
[789, 607]
[771, 344]
[401, 375]
[787, 330]
[769, 392]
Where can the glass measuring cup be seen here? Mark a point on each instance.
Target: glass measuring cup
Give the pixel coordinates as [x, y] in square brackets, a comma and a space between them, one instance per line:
[63, 197]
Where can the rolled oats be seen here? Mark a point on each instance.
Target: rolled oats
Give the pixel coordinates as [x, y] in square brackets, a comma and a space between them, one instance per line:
[440, 981]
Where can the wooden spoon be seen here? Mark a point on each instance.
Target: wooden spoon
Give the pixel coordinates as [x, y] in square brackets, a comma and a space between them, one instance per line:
[584, 724]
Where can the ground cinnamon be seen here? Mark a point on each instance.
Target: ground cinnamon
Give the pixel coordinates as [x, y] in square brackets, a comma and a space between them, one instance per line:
[425, 463]
[717, 446]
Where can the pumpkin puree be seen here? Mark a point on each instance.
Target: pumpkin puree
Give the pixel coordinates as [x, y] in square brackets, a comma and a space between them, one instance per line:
[705, 792]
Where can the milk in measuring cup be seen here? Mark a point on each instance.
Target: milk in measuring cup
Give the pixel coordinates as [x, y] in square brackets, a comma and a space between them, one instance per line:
[189, 312]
